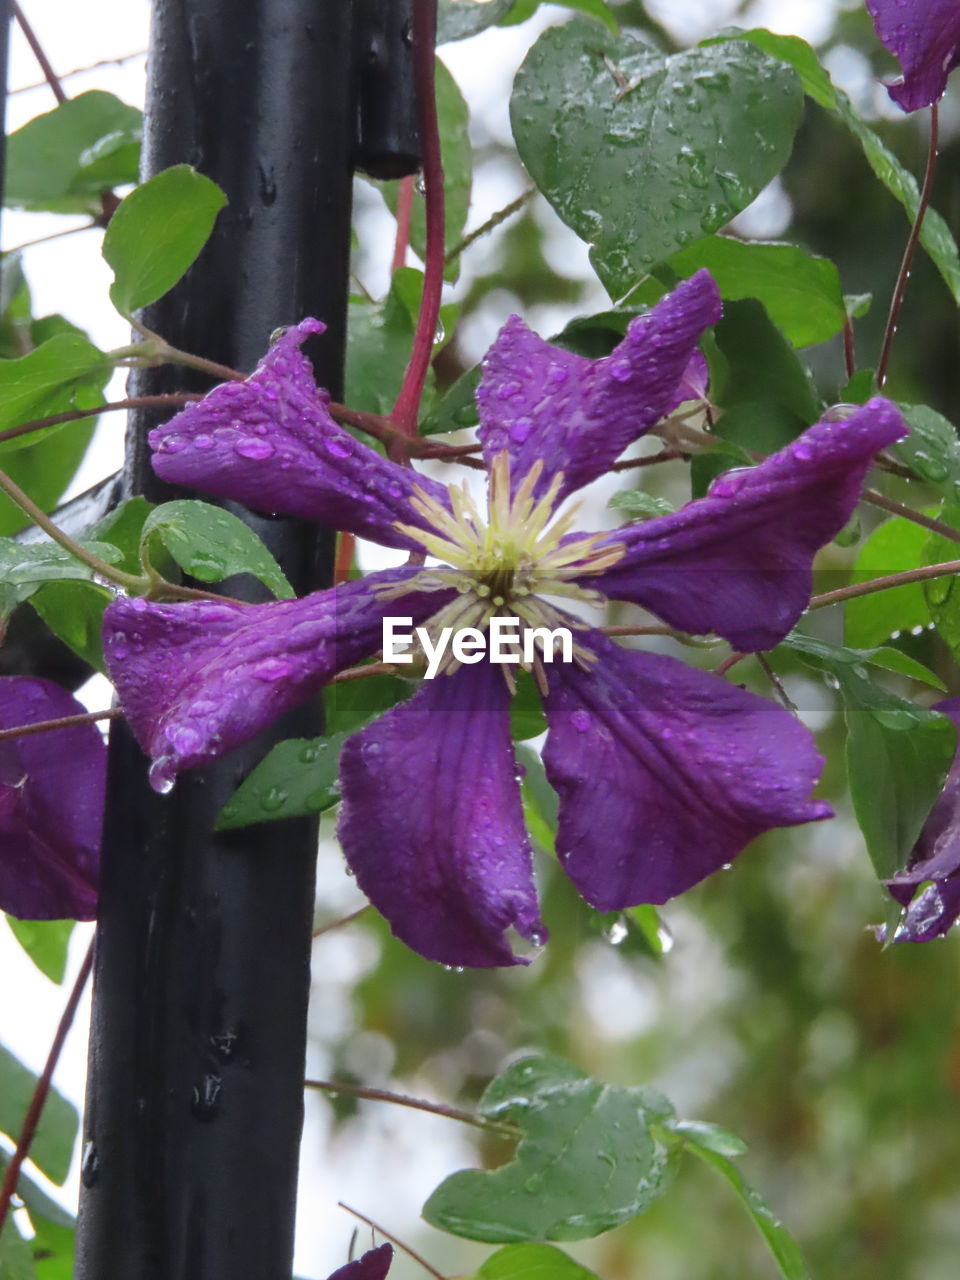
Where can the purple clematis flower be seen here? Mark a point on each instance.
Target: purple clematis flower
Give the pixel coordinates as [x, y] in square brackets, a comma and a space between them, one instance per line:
[664, 773]
[373, 1265]
[51, 806]
[924, 35]
[934, 866]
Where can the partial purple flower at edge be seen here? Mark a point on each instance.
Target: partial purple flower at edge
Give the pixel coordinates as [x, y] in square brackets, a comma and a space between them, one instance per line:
[430, 820]
[51, 805]
[374, 1265]
[924, 36]
[935, 861]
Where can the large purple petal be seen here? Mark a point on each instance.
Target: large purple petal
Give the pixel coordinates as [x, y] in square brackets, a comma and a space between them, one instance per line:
[738, 561]
[374, 1265]
[270, 443]
[934, 862]
[577, 415]
[199, 678]
[665, 773]
[432, 825]
[924, 36]
[51, 806]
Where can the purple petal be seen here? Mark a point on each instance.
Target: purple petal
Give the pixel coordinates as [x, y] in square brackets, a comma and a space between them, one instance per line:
[374, 1265]
[738, 561]
[51, 805]
[924, 36]
[577, 415]
[665, 773]
[270, 443]
[199, 678]
[693, 385]
[934, 862]
[431, 821]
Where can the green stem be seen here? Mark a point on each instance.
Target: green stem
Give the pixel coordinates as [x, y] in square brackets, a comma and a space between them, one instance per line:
[491, 223]
[43, 521]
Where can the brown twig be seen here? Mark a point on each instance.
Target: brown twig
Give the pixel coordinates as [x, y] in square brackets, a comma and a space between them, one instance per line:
[63, 722]
[417, 1104]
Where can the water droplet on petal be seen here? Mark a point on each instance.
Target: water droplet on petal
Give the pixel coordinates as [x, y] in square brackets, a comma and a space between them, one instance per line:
[254, 448]
[337, 448]
[271, 669]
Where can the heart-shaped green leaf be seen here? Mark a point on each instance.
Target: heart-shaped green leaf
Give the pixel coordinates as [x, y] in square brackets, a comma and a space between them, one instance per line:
[641, 154]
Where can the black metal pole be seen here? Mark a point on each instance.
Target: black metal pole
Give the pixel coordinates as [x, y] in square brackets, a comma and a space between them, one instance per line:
[194, 1101]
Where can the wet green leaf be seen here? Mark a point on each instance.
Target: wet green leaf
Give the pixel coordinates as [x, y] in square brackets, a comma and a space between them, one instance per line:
[586, 1163]
[53, 1246]
[801, 292]
[67, 372]
[16, 1258]
[45, 942]
[642, 154]
[63, 160]
[532, 1262]
[897, 755]
[782, 1245]
[298, 777]
[123, 529]
[353, 703]
[24, 568]
[900, 182]
[758, 380]
[157, 233]
[524, 9]
[457, 410]
[211, 544]
[931, 449]
[52, 1147]
[894, 547]
[44, 472]
[74, 613]
[527, 719]
[459, 19]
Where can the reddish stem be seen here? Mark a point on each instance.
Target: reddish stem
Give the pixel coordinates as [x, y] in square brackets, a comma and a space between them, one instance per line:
[51, 77]
[405, 410]
[896, 302]
[346, 546]
[42, 1091]
[404, 212]
[849, 348]
[727, 663]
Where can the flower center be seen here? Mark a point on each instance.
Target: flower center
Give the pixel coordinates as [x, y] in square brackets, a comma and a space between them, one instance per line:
[501, 566]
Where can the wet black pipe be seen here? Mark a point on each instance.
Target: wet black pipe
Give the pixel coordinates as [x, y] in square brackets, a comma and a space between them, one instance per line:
[194, 1101]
